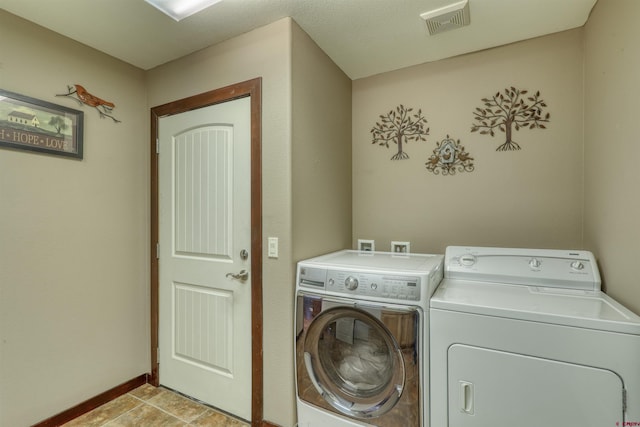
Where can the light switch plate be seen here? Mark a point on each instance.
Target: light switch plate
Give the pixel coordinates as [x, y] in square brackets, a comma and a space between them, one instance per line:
[272, 247]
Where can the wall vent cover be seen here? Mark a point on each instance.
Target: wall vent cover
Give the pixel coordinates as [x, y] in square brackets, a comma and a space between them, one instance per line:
[447, 18]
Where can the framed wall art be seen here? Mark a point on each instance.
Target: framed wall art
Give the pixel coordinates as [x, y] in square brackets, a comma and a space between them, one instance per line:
[34, 125]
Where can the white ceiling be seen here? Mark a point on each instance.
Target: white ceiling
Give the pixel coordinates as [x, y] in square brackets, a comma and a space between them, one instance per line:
[363, 37]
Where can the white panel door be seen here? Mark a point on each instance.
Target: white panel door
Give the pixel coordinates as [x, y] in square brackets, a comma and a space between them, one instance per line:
[205, 236]
[490, 388]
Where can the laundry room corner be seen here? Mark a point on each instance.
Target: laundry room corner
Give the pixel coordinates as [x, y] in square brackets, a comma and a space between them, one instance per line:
[611, 174]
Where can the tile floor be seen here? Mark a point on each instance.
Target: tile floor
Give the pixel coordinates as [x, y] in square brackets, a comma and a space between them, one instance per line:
[154, 407]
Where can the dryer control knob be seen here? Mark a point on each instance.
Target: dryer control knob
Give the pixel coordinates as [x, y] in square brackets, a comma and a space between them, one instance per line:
[577, 265]
[467, 260]
[535, 263]
[351, 283]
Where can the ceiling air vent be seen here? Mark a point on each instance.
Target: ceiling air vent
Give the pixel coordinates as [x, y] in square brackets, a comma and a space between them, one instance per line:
[447, 18]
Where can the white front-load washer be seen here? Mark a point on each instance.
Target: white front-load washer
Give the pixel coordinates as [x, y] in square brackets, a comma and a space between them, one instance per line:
[361, 338]
[524, 337]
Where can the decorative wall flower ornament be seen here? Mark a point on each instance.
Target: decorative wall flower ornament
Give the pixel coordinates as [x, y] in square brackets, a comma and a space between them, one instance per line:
[508, 111]
[449, 157]
[400, 127]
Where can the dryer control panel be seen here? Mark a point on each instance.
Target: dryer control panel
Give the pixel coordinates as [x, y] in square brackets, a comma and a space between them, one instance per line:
[356, 283]
[566, 269]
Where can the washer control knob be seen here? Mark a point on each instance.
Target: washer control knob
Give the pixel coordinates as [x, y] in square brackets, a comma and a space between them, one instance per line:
[577, 265]
[535, 263]
[351, 283]
[467, 260]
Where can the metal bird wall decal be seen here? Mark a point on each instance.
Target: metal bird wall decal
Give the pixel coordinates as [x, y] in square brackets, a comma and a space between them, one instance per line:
[81, 95]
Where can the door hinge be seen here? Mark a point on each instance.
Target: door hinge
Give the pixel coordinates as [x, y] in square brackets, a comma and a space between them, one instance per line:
[624, 400]
[157, 250]
[157, 146]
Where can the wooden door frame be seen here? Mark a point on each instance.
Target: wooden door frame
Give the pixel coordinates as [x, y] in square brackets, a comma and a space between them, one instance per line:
[252, 88]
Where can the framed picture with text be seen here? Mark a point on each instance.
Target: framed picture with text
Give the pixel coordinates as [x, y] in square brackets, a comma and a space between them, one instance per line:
[34, 125]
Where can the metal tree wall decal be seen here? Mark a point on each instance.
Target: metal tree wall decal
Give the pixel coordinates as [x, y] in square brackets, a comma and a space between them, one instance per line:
[400, 127]
[507, 111]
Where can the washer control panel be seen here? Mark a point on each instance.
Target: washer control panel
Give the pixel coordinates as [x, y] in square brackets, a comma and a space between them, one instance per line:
[376, 285]
[535, 267]
[355, 283]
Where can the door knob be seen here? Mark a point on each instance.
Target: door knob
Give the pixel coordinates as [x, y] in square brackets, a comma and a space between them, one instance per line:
[242, 276]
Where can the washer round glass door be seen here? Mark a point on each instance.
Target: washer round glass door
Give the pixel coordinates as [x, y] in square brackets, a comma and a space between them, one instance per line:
[354, 362]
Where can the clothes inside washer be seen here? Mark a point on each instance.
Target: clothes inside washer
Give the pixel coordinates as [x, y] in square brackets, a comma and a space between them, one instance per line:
[365, 365]
[357, 357]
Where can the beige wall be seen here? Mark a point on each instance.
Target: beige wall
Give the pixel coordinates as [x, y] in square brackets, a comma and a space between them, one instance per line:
[612, 90]
[526, 198]
[73, 235]
[321, 150]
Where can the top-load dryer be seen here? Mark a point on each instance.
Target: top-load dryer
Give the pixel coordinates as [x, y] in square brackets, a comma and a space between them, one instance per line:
[523, 337]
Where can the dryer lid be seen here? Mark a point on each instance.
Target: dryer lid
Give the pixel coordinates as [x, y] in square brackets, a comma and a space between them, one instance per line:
[578, 308]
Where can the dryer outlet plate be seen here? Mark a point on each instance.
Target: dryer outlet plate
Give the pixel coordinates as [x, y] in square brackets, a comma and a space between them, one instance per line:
[401, 247]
